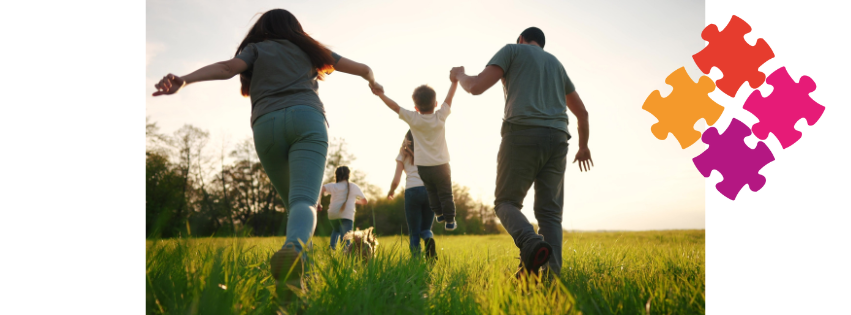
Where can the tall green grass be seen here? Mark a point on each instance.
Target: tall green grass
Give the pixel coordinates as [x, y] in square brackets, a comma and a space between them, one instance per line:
[662, 272]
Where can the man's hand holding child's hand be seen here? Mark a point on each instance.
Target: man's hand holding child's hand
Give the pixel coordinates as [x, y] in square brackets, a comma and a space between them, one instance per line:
[453, 74]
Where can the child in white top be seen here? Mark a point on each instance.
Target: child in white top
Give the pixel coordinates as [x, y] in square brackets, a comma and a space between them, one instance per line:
[432, 154]
[341, 210]
[417, 212]
[405, 162]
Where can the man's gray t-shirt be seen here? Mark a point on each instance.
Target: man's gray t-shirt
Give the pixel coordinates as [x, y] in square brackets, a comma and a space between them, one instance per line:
[282, 76]
[535, 85]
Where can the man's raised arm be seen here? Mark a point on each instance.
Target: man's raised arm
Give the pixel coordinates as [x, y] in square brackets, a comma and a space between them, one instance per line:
[478, 84]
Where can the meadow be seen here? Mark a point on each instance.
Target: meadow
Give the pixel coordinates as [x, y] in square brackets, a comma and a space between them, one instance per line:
[651, 272]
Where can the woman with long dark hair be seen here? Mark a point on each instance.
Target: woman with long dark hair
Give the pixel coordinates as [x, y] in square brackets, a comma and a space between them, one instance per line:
[279, 66]
[418, 214]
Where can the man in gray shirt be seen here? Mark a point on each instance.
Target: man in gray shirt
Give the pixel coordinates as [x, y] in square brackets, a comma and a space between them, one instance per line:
[538, 93]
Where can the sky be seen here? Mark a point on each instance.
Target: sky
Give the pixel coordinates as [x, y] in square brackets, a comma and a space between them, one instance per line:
[615, 52]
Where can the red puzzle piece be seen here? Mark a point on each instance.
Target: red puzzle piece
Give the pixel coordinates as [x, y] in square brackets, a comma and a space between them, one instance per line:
[785, 106]
[729, 51]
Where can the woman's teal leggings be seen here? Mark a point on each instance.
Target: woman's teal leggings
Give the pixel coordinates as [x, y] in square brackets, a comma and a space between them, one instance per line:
[292, 144]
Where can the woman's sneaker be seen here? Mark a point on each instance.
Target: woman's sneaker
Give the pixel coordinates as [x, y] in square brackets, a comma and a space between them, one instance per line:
[440, 219]
[430, 250]
[286, 270]
[451, 225]
[535, 254]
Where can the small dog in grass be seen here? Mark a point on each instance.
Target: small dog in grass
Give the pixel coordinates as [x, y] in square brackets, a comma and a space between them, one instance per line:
[363, 243]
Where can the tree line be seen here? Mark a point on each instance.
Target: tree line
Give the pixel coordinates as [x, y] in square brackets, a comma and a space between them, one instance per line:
[193, 189]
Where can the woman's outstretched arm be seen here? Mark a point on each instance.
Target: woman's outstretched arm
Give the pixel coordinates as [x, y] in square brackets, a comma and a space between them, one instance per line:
[223, 70]
[396, 178]
[351, 67]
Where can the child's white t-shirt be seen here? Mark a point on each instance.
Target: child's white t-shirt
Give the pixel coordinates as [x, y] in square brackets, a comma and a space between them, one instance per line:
[338, 193]
[429, 135]
[412, 175]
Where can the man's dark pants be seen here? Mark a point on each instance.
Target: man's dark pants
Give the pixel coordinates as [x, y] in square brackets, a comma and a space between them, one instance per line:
[438, 183]
[530, 155]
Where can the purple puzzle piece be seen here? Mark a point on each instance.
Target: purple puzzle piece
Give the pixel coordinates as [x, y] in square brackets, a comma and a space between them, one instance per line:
[785, 106]
[729, 155]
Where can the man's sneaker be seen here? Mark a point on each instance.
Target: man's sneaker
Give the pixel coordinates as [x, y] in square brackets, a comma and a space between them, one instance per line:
[451, 225]
[430, 250]
[286, 270]
[544, 275]
[535, 254]
[520, 271]
[440, 219]
[525, 278]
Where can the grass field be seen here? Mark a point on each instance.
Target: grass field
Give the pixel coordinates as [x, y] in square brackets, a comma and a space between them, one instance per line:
[656, 272]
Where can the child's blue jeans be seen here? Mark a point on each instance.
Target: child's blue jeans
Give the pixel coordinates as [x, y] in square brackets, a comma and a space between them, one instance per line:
[339, 228]
[419, 216]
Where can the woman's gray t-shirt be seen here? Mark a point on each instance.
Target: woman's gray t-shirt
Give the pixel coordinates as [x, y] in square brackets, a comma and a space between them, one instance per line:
[283, 76]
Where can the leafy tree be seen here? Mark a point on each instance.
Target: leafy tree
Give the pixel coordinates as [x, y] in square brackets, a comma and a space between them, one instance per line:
[163, 188]
[189, 192]
[255, 202]
[163, 197]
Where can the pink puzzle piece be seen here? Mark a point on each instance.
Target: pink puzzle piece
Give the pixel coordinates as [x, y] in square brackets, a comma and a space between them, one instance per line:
[729, 155]
[787, 104]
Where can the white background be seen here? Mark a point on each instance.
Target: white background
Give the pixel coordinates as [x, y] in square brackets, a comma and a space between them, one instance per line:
[784, 248]
[69, 247]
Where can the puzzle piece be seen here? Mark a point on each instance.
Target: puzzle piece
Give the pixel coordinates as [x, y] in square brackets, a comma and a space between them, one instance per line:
[688, 103]
[729, 155]
[787, 104]
[729, 51]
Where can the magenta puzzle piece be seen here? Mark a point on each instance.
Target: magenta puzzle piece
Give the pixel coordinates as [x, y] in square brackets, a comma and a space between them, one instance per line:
[729, 155]
[787, 104]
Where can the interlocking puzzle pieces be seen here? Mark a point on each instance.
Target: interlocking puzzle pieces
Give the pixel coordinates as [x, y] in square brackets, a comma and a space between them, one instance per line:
[785, 106]
[729, 51]
[688, 103]
[729, 155]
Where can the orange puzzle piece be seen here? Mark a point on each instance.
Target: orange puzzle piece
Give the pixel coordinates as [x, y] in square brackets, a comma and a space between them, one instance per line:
[688, 103]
